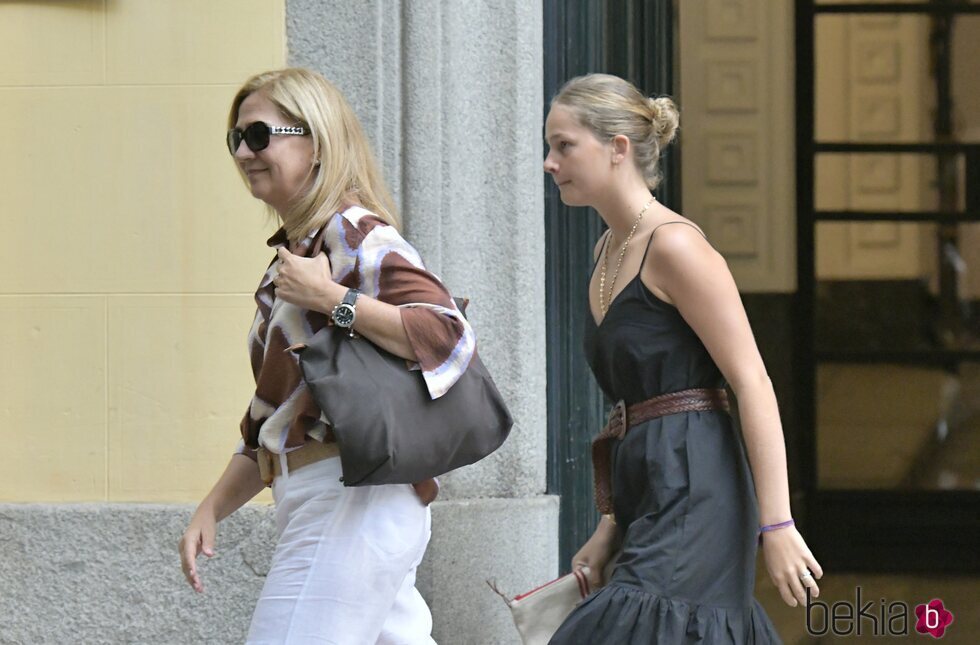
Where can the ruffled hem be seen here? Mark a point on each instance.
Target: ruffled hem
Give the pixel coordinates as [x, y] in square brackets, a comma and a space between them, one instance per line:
[618, 615]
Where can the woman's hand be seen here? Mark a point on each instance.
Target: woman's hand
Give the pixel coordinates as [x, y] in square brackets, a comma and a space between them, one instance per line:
[788, 560]
[595, 553]
[239, 483]
[306, 282]
[427, 490]
[197, 539]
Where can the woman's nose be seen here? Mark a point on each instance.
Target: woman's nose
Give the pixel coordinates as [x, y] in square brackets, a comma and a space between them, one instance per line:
[243, 151]
[550, 166]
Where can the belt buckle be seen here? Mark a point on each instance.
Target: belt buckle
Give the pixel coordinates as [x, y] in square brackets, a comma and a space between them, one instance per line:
[264, 458]
[618, 413]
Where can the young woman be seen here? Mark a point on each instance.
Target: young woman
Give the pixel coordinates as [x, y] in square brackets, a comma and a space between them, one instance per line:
[667, 330]
[344, 567]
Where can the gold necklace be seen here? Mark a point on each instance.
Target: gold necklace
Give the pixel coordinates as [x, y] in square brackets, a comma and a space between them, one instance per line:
[603, 305]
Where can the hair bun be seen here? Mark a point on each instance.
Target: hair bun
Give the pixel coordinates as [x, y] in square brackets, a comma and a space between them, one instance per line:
[664, 118]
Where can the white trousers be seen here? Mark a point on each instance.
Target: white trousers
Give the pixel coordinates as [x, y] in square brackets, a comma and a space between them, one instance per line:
[343, 571]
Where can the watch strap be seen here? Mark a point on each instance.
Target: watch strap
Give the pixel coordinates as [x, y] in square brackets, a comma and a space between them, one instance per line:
[350, 297]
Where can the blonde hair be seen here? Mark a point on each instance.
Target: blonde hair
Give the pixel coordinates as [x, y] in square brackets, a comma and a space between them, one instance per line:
[609, 106]
[345, 170]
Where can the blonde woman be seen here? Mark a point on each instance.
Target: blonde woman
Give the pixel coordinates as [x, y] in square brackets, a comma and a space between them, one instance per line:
[666, 332]
[344, 567]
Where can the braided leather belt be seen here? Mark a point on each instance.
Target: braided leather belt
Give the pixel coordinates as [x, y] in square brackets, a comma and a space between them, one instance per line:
[622, 419]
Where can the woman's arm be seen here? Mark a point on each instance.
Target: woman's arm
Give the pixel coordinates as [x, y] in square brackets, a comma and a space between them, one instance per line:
[696, 279]
[239, 483]
[406, 309]
[308, 283]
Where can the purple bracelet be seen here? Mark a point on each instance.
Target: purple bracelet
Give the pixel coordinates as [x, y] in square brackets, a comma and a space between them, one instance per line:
[774, 527]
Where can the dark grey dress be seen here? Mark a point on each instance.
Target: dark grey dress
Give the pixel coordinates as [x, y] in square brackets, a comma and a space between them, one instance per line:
[682, 492]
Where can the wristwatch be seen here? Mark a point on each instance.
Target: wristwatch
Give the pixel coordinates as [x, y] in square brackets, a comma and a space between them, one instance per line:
[344, 314]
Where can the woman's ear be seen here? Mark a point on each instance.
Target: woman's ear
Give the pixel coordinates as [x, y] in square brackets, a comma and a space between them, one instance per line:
[621, 148]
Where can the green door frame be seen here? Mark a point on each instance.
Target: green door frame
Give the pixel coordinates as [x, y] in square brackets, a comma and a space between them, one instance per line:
[633, 39]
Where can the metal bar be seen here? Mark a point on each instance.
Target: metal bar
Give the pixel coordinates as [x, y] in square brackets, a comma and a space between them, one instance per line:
[935, 357]
[805, 243]
[920, 148]
[949, 324]
[898, 216]
[898, 7]
[973, 179]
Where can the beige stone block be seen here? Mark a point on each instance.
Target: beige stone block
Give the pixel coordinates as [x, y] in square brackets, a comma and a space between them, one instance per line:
[125, 190]
[52, 43]
[188, 41]
[52, 398]
[179, 383]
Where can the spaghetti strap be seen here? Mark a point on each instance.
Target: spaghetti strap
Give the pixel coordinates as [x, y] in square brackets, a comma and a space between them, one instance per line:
[650, 241]
[605, 241]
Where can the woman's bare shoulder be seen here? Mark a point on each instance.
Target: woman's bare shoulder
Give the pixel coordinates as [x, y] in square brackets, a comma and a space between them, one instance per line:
[676, 240]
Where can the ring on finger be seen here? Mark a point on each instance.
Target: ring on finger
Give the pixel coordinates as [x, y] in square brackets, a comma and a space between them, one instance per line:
[807, 575]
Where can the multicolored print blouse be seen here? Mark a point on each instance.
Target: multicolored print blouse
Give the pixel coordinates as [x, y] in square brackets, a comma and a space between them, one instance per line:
[368, 254]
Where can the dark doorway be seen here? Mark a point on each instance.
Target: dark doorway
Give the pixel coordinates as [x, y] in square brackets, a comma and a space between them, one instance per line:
[635, 40]
[888, 351]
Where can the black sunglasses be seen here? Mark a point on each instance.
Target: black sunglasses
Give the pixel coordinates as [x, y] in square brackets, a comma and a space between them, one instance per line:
[256, 135]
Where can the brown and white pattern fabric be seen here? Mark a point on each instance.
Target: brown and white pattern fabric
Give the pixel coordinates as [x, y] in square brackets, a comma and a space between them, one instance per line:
[368, 254]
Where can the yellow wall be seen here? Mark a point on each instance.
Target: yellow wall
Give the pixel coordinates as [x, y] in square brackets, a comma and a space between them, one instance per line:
[129, 249]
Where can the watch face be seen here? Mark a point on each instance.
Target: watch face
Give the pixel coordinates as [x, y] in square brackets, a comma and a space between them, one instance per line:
[343, 316]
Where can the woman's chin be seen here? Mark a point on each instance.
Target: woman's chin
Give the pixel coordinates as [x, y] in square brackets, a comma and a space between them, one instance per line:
[263, 196]
[259, 194]
[259, 189]
[569, 199]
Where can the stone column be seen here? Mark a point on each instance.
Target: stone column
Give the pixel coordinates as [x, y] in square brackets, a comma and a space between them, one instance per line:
[450, 94]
